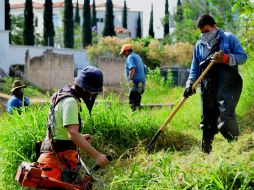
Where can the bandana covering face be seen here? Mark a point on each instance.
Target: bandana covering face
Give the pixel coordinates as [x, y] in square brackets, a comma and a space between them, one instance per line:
[89, 100]
[209, 38]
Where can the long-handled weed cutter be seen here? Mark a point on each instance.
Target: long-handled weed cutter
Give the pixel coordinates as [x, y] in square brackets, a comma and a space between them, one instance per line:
[148, 147]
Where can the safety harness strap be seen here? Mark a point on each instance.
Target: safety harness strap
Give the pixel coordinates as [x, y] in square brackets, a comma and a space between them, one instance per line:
[59, 146]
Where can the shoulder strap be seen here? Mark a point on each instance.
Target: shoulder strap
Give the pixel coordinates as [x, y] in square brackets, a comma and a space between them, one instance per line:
[61, 94]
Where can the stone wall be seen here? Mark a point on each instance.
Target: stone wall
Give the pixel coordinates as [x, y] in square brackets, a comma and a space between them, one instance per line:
[50, 70]
[113, 69]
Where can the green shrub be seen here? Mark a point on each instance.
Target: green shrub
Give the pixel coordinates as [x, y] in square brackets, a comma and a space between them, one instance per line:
[153, 52]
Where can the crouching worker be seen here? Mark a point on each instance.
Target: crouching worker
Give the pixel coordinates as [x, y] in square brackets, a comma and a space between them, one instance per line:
[59, 154]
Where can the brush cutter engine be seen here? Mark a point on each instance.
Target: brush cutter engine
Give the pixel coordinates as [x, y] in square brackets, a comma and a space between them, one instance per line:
[30, 175]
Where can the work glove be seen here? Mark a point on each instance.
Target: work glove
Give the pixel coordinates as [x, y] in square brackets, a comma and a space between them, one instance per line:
[188, 91]
[220, 57]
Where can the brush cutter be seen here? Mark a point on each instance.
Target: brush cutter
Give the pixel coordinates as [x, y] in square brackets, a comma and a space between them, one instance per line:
[148, 147]
[30, 175]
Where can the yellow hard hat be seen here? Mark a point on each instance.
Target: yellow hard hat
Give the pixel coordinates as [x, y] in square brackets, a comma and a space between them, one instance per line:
[125, 47]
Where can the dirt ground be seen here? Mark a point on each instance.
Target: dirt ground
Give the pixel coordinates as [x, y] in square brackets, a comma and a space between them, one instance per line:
[117, 91]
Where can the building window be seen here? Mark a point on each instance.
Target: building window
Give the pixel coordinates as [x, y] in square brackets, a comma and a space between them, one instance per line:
[56, 20]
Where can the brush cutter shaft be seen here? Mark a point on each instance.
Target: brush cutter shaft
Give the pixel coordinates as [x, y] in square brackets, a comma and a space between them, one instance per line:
[179, 106]
[202, 75]
[172, 114]
[184, 99]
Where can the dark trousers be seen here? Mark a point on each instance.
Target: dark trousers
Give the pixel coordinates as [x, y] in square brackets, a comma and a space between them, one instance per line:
[220, 92]
[135, 94]
[134, 100]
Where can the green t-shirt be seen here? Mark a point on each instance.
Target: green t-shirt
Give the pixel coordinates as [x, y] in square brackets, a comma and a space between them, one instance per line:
[66, 113]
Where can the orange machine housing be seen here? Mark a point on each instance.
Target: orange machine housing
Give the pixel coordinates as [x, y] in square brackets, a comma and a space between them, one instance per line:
[30, 175]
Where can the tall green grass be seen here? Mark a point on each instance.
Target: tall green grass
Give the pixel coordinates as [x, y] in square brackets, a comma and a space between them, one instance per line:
[18, 134]
[245, 108]
[176, 161]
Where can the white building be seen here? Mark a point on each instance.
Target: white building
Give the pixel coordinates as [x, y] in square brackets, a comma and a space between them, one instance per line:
[58, 9]
[4, 37]
[15, 54]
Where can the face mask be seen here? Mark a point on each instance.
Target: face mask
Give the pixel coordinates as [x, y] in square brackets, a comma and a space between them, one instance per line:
[89, 100]
[208, 36]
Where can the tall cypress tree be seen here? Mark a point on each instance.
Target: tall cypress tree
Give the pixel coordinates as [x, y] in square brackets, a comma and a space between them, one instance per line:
[7, 18]
[179, 12]
[48, 31]
[77, 17]
[124, 17]
[7, 15]
[68, 24]
[109, 29]
[94, 20]
[139, 35]
[87, 31]
[151, 32]
[166, 20]
[179, 21]
[28, 32]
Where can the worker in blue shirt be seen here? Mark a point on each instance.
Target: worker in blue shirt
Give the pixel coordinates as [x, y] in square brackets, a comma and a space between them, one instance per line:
[221, 87]
[17, 99]
[135, 71]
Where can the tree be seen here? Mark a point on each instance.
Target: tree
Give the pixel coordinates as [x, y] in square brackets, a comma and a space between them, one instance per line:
[189, 11]
[166, 19]
[245, 28]
[17, 30]
[7, 18]
[222, 10]
[77, 17]
[94, 20]
[68, 24]
[48, 30]
[151, 32]
[179, 12]
[28, 32]
[124, 17]
[139, 32]
[109, 29]
[87, 31]
[179, 21]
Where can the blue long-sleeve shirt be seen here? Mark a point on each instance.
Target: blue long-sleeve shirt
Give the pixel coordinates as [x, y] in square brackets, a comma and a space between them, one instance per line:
[229, 44]
[15, 102]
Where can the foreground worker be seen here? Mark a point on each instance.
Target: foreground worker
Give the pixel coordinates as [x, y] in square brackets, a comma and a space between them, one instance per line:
[221, 87]
[17, 100]
[59, 158]
[135, 71]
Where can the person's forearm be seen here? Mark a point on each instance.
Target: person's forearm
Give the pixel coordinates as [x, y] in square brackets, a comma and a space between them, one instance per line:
[79, 141]
[131, 73]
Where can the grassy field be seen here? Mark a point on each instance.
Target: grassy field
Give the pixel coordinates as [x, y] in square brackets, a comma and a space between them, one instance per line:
[176, 161]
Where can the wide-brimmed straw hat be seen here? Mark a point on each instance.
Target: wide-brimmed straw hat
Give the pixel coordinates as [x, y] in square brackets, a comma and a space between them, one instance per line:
[17, 84]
